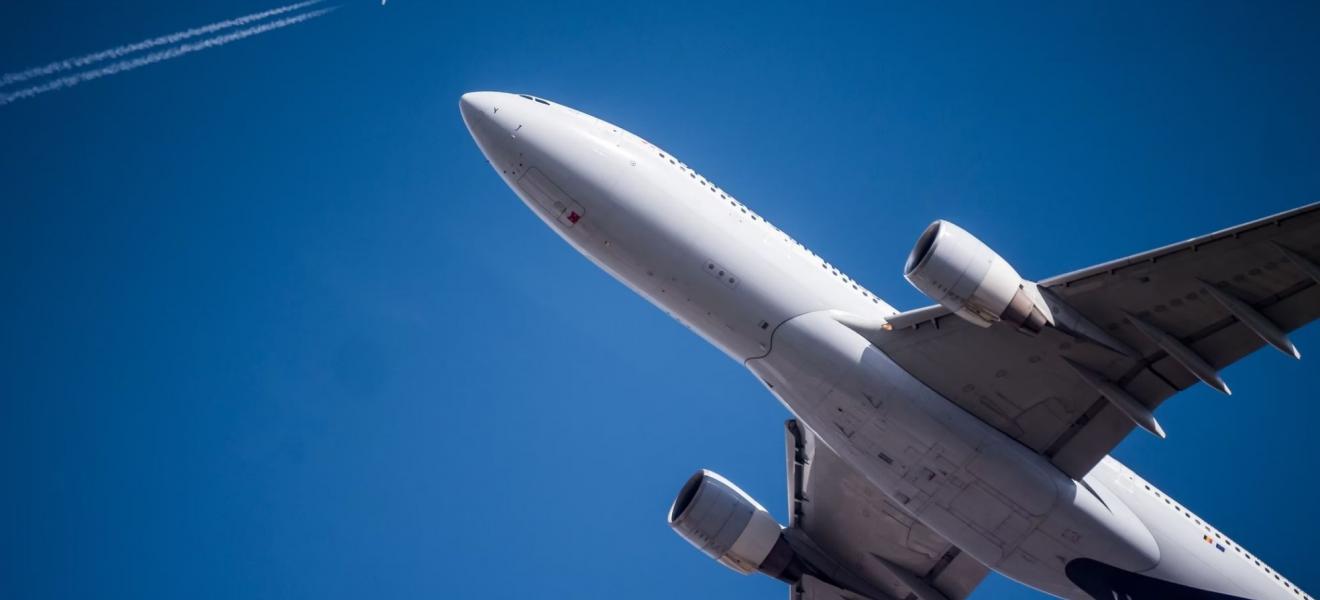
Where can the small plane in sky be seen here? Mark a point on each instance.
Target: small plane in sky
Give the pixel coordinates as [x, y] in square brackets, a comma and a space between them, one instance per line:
[929, 446]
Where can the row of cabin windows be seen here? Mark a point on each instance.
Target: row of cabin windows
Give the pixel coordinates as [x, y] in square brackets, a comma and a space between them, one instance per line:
[1236, 548]
[753, 216]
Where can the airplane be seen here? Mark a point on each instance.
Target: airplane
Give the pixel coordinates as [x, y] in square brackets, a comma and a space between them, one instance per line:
[929, 446]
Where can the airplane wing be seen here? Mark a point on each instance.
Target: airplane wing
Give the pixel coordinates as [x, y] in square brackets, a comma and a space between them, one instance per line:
[1172, 316]
[859, 528]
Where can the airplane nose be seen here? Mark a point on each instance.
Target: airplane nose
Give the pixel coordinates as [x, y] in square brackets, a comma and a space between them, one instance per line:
[480, 110]
[476, 105]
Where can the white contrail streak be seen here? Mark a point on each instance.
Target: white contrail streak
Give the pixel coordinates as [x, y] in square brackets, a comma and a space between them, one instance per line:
[155, 57]
[121, 51]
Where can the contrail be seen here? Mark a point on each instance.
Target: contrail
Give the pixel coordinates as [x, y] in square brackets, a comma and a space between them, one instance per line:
[155, 57]
[82, 61]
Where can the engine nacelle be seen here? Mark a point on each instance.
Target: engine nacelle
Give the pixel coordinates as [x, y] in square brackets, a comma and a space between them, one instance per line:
[964, 275]
[724, 522]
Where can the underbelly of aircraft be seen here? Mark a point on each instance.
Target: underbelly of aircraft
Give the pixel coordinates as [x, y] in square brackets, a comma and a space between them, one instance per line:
[998, 501]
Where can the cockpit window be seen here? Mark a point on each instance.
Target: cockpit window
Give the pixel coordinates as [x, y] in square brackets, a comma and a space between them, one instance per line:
[534, 99]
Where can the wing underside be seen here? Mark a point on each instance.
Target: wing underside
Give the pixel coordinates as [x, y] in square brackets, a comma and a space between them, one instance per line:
[1210, 300]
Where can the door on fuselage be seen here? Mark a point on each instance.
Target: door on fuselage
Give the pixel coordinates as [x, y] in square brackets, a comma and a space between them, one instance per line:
[551, 197]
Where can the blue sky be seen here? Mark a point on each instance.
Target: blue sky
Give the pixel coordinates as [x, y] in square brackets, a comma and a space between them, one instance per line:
[271, 327]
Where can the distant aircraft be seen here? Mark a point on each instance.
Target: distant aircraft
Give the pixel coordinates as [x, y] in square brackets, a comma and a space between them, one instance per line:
[929, 445]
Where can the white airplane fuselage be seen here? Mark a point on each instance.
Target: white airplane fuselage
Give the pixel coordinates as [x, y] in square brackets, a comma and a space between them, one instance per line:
[770, 303]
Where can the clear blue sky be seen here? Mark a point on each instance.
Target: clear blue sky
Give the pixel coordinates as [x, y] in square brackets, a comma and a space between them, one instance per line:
[272, 328]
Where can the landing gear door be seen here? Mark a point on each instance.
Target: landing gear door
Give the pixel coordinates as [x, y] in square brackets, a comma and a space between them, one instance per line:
[551, 198]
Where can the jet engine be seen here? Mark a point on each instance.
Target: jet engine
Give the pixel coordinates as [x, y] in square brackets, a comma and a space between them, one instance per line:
[961, 273]
[726, 524]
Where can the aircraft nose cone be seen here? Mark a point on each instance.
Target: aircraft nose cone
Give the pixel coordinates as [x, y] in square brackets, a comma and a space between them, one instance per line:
[476, 105]
[481, 114]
